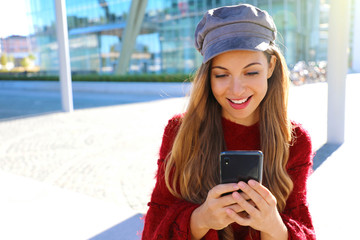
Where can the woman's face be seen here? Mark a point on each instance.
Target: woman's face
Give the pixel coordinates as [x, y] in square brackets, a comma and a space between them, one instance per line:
[239, 83]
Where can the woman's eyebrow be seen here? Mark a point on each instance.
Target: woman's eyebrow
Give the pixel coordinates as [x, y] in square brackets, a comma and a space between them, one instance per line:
[249, 65]
[219, 67]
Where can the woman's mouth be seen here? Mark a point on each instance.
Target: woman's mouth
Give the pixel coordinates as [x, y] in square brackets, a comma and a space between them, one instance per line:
[239, 103]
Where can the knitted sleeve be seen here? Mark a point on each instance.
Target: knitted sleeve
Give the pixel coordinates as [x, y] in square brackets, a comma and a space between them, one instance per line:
[168, 217]
[296, 215]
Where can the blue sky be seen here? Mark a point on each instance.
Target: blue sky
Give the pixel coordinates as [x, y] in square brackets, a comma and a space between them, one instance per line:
[13, 18]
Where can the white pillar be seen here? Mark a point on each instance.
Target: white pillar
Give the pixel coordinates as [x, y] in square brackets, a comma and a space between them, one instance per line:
[64, 56]
[356, 38]
[337, 69]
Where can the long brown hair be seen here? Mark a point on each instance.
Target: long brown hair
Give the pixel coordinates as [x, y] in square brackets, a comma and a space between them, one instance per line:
[192, 167]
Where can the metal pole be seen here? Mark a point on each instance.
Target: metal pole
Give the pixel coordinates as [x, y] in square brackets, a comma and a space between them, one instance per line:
[64, 56]
[337, 69]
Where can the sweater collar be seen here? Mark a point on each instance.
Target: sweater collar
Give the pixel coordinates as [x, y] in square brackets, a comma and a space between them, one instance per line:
[240, 137]
[228, 124]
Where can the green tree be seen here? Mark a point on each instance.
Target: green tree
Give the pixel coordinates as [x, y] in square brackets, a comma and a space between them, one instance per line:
[31, 57]
[25, 62]
[3, 59]
[11, 59]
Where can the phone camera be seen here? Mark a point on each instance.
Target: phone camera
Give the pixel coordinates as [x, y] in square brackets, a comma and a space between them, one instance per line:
[227, 160]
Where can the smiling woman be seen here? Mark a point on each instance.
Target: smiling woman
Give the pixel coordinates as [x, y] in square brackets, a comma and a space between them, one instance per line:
[238, 102]
[239, 83]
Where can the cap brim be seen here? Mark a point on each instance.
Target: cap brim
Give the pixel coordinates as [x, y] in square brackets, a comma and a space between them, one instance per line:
[235, 43]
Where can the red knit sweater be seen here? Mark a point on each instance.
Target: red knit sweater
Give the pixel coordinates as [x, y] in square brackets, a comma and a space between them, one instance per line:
[169, 217]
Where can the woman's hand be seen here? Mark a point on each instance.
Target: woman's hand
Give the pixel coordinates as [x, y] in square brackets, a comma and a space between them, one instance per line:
[212, 214]
[264, 216]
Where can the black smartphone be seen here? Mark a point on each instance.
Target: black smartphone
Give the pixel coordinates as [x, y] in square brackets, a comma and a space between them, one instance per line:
[236, 166]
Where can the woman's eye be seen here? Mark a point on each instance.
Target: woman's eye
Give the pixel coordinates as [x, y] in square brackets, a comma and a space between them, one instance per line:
[220, 75]
[252, 73]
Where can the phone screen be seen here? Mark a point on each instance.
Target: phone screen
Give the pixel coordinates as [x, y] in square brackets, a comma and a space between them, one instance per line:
[236, 166]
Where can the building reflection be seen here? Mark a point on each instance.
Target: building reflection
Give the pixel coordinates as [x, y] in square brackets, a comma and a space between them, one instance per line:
[165, 41]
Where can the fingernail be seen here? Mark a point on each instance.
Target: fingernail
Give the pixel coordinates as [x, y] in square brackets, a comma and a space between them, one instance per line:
[228, 211]
[252, 183]
[241, 184]
[236, 187]
[236, 195]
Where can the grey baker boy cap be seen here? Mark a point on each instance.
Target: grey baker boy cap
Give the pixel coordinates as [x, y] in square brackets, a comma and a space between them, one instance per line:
[238, 27]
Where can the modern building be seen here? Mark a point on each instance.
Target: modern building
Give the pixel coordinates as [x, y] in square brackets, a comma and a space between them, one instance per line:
[354, 60]
[17, 48]
[165, 43]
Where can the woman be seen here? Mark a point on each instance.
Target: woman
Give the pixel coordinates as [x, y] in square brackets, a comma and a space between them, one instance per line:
[238, 102]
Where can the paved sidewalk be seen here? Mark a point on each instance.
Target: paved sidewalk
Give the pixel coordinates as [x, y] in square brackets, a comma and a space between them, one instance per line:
[74, 176]
[89, 174]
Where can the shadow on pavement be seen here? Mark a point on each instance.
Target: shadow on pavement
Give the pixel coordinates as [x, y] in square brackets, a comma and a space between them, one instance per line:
[130, 229]
[323, 153]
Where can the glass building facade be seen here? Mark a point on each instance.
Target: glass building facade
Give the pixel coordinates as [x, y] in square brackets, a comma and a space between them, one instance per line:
[165, 43]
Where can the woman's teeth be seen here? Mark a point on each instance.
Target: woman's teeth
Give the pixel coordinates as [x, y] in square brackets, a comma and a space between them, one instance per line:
[239, 101]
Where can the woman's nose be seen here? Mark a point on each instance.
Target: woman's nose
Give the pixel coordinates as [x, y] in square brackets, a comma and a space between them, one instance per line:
[238, 86]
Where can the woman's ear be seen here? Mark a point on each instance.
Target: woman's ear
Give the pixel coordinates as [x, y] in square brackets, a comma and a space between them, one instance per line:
[272, 65]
